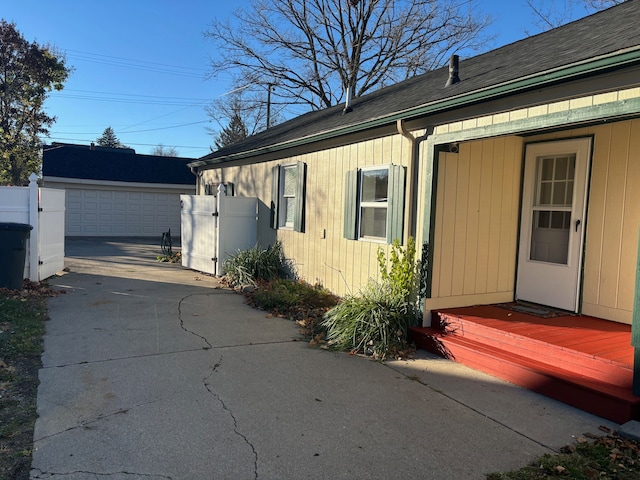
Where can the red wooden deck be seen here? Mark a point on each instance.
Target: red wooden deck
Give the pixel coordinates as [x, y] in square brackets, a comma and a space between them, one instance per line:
[583, 361]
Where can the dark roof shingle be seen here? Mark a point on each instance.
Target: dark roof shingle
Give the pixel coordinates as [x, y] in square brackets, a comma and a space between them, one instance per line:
[113, 164]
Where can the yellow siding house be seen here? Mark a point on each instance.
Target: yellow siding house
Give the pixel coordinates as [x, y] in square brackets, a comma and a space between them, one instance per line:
[520, 180]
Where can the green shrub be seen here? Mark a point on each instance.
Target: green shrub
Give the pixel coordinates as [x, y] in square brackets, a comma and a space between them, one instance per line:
[247, 267]
[289, 297]
[400, 272]
[375, 322]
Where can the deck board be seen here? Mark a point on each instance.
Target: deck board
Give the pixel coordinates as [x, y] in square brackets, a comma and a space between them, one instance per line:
[582, 333]
[583, 361]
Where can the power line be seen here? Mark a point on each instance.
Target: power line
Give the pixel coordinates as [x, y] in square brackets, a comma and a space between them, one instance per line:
[165, 128]
[159, 116]
[137, 131]
[141, 101]
[185, 102]
[134, 95]
[135, 60]
[138, 64]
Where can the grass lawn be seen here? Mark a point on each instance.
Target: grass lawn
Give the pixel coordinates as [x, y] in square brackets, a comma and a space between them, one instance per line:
[22, 318]
[609, 457]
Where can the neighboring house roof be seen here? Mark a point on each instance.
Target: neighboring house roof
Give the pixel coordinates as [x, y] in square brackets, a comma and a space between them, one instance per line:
[113, 164]
[531, 62]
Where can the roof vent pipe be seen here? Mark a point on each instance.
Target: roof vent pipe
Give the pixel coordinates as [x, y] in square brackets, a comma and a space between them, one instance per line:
[347, 103]
[453, 70]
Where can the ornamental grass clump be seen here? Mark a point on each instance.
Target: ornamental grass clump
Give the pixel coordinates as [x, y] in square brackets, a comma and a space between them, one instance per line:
[375, 322]
[247, 267]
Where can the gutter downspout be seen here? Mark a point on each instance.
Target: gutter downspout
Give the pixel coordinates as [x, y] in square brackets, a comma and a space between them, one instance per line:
[412, 176]
[426, 250]
[412, 181]
[198, 176]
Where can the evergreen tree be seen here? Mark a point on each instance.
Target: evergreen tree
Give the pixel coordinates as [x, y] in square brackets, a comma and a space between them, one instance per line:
[109, 139]
[235, 131]
[28, 71]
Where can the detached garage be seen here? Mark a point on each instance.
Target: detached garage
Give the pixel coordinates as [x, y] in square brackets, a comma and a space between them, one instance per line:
[116, 192]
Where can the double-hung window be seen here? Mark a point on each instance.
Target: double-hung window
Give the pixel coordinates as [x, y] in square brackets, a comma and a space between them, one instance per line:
[288, 184]
[374, 191]
[374, 203]
[287, 196]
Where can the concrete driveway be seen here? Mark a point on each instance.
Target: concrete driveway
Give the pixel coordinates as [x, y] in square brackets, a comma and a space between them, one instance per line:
[152, 371]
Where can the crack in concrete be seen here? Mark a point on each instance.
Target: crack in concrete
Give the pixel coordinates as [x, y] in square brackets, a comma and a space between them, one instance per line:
[209, 388]
[128, 357]
[88, 424]
[182, 325]
[39, 474]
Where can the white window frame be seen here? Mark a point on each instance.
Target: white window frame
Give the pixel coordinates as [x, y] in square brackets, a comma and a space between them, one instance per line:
[278, 218]
[378, 205]
[282, 214]
[394, 203]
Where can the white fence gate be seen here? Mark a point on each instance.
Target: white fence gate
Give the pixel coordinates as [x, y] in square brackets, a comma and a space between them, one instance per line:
[43, 209]
[51, 218]
[216, 227]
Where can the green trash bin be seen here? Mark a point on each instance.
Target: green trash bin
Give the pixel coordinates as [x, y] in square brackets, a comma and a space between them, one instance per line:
[13, 252]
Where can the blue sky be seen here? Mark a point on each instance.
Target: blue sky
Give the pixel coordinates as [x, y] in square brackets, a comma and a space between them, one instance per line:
[140, 65]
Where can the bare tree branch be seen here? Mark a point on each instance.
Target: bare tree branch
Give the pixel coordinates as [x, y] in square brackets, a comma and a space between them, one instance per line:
[601, 4]
[548, 14]
[314, 51]
[161, 150]
[240, 114]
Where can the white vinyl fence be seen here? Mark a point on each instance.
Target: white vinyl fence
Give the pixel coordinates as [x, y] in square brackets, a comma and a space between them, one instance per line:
[216, 227]
[43, 209]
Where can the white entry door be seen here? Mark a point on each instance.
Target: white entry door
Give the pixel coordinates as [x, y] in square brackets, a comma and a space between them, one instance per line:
[552, 223]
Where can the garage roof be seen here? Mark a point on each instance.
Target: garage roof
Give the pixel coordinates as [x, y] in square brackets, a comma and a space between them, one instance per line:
[113, 164]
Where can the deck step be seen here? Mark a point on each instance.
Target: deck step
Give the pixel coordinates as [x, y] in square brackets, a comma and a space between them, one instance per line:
[589, 365]
[600, 398]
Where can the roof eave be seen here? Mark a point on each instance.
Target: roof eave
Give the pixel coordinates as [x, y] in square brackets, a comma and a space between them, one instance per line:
[587, 67]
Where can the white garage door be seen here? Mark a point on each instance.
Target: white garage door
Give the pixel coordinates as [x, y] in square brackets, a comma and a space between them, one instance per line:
[94, 212]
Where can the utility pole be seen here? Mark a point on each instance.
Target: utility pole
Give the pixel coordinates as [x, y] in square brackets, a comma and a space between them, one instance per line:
[269, 104]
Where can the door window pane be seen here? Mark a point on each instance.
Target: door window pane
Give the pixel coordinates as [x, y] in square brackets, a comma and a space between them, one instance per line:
[545, 193]
[550, 244]
[541, 219]
[551, 210]
[569, 196]
[554, 184]
[559, 190]
[561, 168]
[547, 169]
